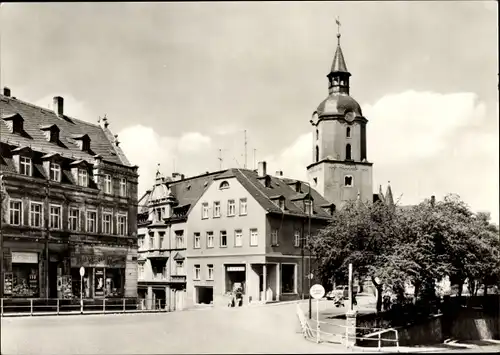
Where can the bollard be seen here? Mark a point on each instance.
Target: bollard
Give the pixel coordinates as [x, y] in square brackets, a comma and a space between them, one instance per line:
[81, 306]
[58, 306]
[31, 307]
[104, 305]
[379, 336]
[124, 305]
[1, 307]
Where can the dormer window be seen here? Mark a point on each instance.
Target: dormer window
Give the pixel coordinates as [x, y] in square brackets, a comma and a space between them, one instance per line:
[15, 122]
[224, 185]
[297, 186]
[83, 177]
[281, 203]
[55, 172]
[51, 133]
[308, 207]
[83, 141]
[25, 166]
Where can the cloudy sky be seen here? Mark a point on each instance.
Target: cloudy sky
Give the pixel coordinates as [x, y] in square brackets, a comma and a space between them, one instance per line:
[179, 81]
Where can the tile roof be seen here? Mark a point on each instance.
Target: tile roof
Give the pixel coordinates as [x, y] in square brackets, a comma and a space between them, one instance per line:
[37, 118]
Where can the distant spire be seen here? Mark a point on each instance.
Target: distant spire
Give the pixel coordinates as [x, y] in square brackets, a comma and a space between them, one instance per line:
[389, 200]
[381, 194]
[338, 64]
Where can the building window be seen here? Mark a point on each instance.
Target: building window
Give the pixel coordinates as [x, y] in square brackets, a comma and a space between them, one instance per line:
[224, 185]
[74, 215]
[197, 241]
[281, 203]
[216, 209]
[151, 242]
[141, 271]
[308, 207]
[25, 166]
[122, 225]
[317, 154]
[348, 132]
[238, 238]
[159, 214]
[204, 210]
[317, 134]
[55, 172]
[15, 212]
[36, 210]
[55, 216]
[288, 278]
[231, 208]
[197, 272]
[348, 152]
[348, 180]
[210, 272]
[296, 239]
[179, 239]
[92, 221]
[223, 239]
[179, 267]
[107, 184]
[106, 223]
[274, 237]
[162, 238]
[140, 242]
[243, 206]
[210, 239]
[123, 187]
[83, 178]
[254, 237]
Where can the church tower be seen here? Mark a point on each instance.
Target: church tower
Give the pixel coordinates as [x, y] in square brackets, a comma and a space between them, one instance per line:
[340, 170]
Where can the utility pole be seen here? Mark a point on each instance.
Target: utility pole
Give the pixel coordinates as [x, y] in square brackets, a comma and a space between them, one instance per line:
[245, 166]
[309, 237]
[47, 236]
[3, 195]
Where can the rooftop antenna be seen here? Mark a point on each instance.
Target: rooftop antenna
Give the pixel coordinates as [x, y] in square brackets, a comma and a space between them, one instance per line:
[220, 159]
[245, 165]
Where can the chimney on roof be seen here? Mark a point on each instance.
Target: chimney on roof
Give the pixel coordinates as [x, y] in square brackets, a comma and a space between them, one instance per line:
[59, 106]
[6, 91]
[261, 170]
[279, 173]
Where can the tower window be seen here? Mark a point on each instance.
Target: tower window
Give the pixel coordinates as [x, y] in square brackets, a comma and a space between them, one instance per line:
[348, 152]
[317, 153]
[348, 132]
[348, 180]
[317, 134]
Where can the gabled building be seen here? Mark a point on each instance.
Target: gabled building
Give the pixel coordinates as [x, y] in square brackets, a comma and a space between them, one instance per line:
[162, 238]
[69, 199]
[248, 229]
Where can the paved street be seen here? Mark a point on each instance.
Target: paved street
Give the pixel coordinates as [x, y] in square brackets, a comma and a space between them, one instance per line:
[264, 329]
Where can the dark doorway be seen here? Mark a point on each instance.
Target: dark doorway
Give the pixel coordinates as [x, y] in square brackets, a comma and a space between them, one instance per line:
[205, 295]
[53, 279]
[348, 152]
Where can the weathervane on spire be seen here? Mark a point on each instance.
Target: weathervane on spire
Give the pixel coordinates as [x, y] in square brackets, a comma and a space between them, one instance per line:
[337, 21]
[158, 170]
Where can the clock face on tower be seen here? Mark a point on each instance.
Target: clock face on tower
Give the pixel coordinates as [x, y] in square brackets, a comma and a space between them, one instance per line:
[349, 116]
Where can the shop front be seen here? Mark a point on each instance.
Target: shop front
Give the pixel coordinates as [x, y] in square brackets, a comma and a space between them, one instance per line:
[104, 273]
[23, 278]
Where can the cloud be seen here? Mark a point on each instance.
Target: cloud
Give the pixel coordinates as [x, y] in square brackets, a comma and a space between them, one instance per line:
[426, 144]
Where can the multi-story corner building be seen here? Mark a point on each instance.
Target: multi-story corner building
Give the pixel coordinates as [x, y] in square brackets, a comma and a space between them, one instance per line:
[162, 233]
[69, 199]
[248, 229]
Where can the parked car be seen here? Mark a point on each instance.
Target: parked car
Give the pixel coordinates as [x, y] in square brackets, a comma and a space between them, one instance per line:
[341, 291]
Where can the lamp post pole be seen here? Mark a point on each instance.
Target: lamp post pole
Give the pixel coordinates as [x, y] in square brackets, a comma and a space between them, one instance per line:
[309, 212]
[3, 195]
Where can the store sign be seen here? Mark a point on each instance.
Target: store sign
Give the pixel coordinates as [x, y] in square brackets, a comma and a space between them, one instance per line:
[92, 260]
[24, 257]
[235, 268]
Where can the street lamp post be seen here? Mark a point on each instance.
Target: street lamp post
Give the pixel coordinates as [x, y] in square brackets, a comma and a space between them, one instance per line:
[3, 194]
[309, 212]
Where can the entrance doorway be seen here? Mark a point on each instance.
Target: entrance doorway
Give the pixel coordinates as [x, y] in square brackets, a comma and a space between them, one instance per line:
[205, 295]
[53, 279]
[235, 276]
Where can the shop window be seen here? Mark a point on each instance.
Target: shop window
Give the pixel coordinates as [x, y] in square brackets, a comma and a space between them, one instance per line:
[55, 216]
[231, 208]
[216, 209]
[25, 167]
[108, 184]
[210, 272]
[179, 239]
[210, 239]
[274, 237]
[113, 286]
[122, 225]
[24, 276]
[83, 178]
[106, 223]
[243, 206]
[15, 212]
[238, 238]
[254, 237]
[223, 239]
[92, 221]
[288, 278]
[74, 217]
[123, 187]
[55, 172]
[197, 241]
[36, 210]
